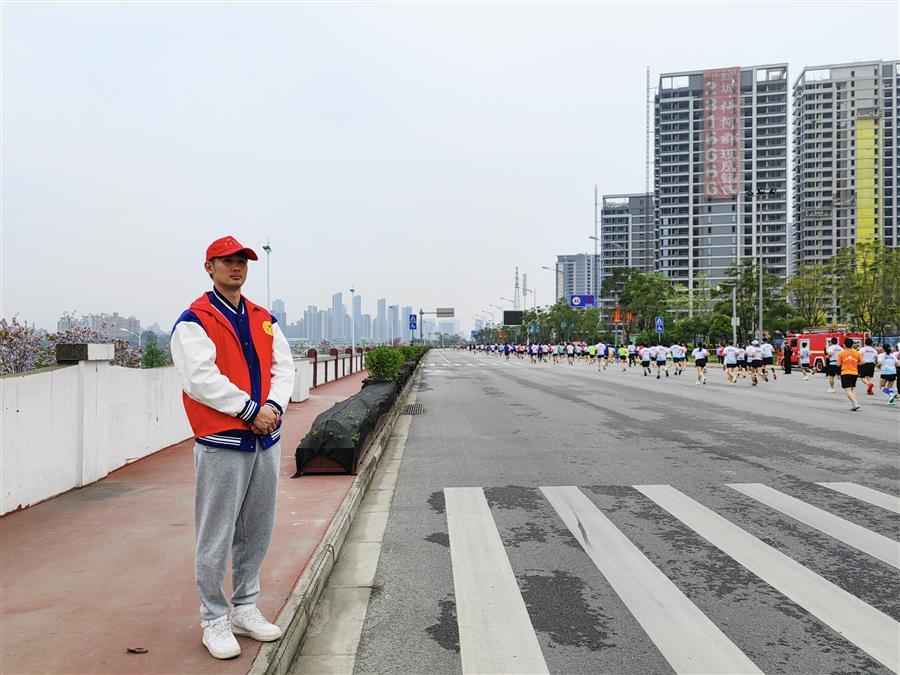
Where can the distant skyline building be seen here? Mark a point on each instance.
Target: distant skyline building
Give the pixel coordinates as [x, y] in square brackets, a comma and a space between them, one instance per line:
[278, 311]
[845, 159]
[626, 234]
[720, 171]
[337, 316]
[575, 274]
[394, 322]
[381, 325]
[357, 314]
[404, 322]
[113, 324]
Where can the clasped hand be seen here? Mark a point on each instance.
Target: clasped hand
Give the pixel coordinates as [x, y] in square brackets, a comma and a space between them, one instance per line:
[265, 422]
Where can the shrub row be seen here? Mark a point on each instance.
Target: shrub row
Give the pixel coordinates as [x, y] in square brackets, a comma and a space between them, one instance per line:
[385, 363]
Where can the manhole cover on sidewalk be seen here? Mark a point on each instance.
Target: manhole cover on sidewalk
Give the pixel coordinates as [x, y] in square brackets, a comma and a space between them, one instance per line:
[413, 409]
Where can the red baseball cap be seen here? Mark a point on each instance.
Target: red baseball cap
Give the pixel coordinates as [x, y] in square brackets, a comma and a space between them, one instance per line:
[226, 246]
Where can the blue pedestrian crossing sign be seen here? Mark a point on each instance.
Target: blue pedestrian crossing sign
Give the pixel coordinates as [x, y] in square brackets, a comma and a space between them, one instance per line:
[660, 325]
[413, 321]
[581, 301]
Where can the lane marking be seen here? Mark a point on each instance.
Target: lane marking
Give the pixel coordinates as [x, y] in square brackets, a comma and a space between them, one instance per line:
[876, 545]
[866, 494]
[441, 354]
[868, 628]
[495, 631]
[685, 636]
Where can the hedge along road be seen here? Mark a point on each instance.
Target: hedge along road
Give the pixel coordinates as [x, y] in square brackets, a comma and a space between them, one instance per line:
[547, 518]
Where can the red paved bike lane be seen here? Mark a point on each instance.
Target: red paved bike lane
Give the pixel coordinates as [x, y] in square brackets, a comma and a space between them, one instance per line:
[88, 574]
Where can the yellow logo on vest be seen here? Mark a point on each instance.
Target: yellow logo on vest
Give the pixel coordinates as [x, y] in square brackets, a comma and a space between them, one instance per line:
[267, 327]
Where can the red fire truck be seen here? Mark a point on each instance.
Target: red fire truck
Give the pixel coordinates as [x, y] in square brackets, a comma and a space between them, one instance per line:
[817, 340]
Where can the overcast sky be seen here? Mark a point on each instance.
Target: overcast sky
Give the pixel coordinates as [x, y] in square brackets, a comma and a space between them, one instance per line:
[416, 151]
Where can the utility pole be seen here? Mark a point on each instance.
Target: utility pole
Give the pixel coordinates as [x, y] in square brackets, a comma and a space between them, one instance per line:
[516, 294]
[596, 240]
[734, 315]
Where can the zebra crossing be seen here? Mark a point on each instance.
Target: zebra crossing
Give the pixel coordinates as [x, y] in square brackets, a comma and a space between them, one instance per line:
[496, 634]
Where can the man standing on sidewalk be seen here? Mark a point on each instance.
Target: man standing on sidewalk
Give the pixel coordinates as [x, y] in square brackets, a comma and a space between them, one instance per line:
[237, 373]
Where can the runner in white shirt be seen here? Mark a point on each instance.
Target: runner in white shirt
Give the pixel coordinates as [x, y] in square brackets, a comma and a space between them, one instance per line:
[867, 367]
[888, 362]
[832, 367]
[767, 352]
[632, 355]
[645, 353]
[602, 358]
[729, 354]
[700, 355]
[741, 369]
[679, 357]
[803, 359]
[662, 354]
[570, 353]
[754, 357]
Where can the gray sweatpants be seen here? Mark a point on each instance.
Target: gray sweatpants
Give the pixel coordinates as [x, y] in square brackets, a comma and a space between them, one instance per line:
[234, 509]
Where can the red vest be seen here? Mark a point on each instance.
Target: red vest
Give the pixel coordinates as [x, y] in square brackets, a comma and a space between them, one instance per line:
[231, 362]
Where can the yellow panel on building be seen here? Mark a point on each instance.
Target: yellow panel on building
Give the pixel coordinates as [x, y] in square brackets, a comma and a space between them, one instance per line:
[867, 165]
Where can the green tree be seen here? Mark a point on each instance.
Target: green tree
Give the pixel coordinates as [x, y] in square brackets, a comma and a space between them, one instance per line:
[615, 283]
[646, 295]
[809, 290]
[868, 286]
[744, 277]
[153, 355]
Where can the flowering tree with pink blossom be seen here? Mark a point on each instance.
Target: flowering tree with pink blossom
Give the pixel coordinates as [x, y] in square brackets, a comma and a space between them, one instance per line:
[24, 347]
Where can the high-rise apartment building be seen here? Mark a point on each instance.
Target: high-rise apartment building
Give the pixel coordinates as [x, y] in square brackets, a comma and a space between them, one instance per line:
[720, 174]
[845, 157]
[576, 274]
[626, 234]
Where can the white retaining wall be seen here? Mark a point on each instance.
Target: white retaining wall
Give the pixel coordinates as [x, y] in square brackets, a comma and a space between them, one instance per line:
[69, 426]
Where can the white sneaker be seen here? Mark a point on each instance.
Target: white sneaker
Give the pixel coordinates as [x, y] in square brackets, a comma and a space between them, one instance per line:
[831, 390]
[248, 620]
[218, 638]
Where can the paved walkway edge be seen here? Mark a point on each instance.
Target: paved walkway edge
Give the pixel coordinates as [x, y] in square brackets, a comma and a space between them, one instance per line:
[275, 658]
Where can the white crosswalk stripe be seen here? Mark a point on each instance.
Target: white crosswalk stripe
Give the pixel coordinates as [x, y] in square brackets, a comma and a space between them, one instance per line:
[496, 634]
[495, 631]
[688, 640]
[866, 494]
[876, 545]
[869, 629]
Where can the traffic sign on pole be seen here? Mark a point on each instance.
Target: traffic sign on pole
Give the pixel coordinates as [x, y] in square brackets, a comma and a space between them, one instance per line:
[660, 325]
[413, 322]
[581, 301]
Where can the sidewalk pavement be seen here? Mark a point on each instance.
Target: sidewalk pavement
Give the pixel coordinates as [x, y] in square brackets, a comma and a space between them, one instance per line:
[88, 574]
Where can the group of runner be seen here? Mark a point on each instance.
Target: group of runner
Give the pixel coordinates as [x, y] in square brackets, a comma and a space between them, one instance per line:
[755, 361]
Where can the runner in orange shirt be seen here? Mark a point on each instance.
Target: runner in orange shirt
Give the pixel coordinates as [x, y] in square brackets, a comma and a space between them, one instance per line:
[849, 360]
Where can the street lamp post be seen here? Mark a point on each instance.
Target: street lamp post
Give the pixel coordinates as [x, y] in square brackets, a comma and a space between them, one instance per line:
[759, 195]
[734, 315]
[268, 250]
[558, 282]
[137, 335]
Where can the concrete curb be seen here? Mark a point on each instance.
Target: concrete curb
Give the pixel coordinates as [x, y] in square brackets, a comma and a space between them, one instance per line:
[275, 658]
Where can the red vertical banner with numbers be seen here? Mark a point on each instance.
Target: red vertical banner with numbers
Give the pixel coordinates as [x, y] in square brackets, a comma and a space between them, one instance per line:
[721, 132]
